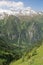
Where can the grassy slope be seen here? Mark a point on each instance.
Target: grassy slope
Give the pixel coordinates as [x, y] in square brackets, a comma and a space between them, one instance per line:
[35, 60]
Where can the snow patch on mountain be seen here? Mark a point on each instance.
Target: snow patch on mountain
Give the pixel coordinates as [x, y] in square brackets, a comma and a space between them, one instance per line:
[24, 11]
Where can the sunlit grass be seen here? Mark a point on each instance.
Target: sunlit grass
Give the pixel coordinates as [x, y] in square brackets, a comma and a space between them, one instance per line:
[35, 60]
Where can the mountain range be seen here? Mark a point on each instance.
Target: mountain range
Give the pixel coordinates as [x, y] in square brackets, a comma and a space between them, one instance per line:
[22, 12]
[19, 35]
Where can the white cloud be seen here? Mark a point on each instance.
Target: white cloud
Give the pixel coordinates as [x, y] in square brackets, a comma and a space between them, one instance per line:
[11, 5]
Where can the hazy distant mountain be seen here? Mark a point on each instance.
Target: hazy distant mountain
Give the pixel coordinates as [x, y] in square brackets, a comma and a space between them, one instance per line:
[21, 12]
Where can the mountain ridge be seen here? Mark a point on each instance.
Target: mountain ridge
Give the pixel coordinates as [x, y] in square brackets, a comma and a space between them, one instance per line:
[21, 12]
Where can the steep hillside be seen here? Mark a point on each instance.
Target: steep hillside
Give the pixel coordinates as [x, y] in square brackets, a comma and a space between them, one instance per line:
[33, 60]
[19, 36]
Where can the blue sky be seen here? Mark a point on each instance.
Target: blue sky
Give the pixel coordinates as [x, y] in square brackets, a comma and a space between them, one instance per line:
[36, 5]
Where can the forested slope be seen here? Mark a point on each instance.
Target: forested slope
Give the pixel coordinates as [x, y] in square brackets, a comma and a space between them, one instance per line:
[18, 36]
